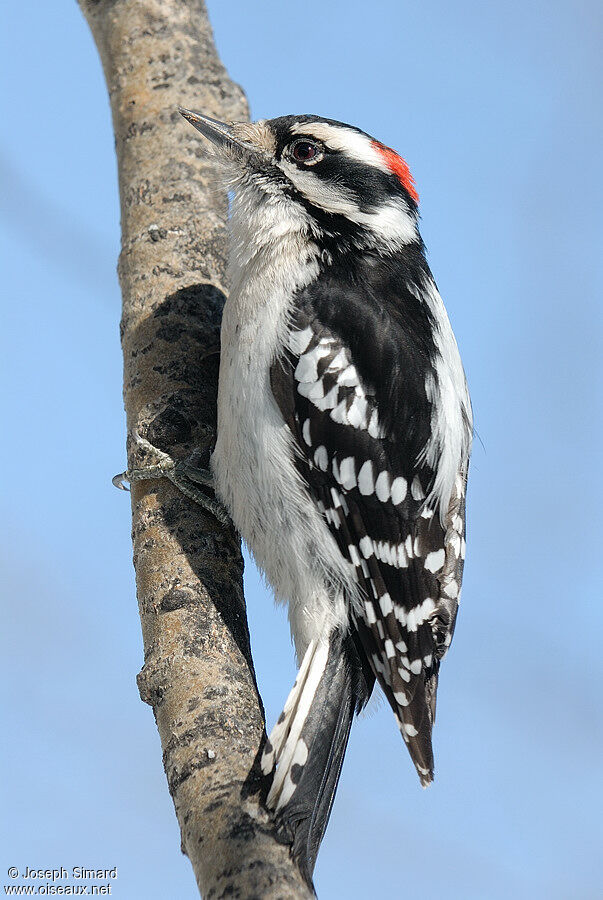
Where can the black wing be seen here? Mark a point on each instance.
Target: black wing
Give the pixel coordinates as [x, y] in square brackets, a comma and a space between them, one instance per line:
[351, 387]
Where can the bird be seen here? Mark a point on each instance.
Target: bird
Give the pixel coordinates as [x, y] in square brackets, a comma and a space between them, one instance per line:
[343, 439]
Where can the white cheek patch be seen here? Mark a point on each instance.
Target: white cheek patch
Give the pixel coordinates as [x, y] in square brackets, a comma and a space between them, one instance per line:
[323, 194]
[390, 223]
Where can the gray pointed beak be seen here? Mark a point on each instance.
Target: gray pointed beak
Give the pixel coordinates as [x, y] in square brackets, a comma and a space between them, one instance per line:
[227, 139]
[218, 132]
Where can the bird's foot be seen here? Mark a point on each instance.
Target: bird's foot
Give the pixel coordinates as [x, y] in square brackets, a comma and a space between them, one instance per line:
[186, 475]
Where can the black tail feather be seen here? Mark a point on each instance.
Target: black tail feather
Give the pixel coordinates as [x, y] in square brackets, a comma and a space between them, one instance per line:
[343, 689]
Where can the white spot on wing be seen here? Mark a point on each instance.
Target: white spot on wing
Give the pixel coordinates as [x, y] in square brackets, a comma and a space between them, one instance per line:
[402, 557]
[306, 370]
[339, 362]
[451, 589]
[312, 390]
[321, 458]
[435, 560]
[419, 614]
[299, 341]
[306, 433]
[347, 473]
[366, 484]
[454, 542]
[366, 547]
[416, 489]
[371, 618]
[382, 486]
[349, 377]
[374, 428]
[386, 605]
[399, 488]
[357, 413]
[329, 400]
[353, 552]
[340, 413]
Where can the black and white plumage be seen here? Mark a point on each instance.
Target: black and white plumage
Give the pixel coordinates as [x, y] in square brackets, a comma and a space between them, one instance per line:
[344, 433]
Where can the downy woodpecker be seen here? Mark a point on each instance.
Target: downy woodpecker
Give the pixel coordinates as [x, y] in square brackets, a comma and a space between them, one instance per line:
[344, 433]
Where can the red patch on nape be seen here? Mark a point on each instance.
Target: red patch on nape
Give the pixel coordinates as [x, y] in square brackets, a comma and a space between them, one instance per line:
[398, 167]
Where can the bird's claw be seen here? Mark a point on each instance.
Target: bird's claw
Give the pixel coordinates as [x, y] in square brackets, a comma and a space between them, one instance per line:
[186, 475]
[119, 481]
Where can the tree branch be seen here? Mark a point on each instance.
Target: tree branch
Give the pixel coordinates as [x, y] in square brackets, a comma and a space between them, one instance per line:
[198, 673]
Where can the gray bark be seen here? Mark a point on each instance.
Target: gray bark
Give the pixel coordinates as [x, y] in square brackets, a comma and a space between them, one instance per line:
[198, 673]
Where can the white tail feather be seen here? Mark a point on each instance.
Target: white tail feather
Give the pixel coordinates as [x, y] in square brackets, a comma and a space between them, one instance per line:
[285, 736]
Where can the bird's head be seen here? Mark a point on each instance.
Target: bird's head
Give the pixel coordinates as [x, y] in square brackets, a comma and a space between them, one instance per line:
[331, 179]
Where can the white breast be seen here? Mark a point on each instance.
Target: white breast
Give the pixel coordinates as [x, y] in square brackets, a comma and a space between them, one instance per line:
[253, 461]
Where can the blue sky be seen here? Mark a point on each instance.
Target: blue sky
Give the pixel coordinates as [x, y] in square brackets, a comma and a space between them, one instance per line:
[497, 109]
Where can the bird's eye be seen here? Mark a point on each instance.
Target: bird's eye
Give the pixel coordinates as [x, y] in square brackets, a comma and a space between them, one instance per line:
[305, 151]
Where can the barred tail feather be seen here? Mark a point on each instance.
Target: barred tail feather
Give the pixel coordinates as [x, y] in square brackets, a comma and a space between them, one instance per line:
[308, 743]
